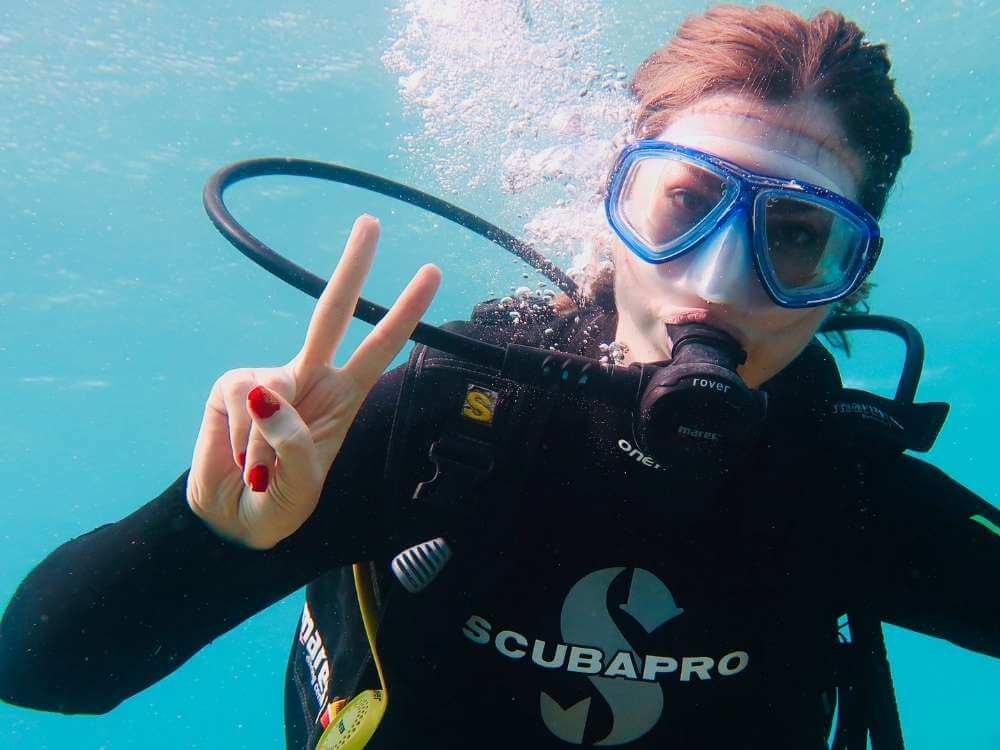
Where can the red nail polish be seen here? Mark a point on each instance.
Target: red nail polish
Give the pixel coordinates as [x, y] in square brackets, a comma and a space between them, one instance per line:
[243, 459]
[262, 402]
[258, 478]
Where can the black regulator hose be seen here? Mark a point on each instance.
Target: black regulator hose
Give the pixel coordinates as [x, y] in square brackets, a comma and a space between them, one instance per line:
[580, 375]
[301, 279]
[913, 364]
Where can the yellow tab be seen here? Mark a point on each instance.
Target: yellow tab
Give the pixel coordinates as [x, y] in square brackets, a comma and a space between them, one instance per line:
[335, 707]
[480, 403]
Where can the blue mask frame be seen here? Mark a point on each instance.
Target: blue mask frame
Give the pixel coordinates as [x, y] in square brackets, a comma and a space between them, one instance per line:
[746, 191]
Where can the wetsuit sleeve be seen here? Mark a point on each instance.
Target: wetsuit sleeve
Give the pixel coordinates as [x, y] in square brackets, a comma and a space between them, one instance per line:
[111, 612]
[932, 555]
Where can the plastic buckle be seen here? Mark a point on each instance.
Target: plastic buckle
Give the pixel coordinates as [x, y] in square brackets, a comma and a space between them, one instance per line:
[460, 463]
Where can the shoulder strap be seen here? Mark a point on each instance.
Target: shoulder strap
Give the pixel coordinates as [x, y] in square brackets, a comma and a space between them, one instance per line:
[871, 430]
[461, 426]
[460, 443]
[463, 437]
[460, 439]
[850, 433]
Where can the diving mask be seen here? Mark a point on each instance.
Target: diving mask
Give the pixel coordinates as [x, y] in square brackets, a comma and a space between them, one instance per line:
[809, 245]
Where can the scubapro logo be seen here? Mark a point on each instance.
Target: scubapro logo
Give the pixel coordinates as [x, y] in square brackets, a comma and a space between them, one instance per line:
[594, 646]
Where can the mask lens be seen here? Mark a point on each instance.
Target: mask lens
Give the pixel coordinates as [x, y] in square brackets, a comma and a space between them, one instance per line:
[665, 199]
[811, 247]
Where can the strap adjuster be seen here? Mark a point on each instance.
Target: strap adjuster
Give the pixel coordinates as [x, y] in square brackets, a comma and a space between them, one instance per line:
[460, 463]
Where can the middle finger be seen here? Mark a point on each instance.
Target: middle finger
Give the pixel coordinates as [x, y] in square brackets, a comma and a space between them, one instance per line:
[337, 302]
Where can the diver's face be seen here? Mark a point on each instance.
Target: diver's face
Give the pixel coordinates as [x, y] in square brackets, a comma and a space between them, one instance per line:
[715, 282]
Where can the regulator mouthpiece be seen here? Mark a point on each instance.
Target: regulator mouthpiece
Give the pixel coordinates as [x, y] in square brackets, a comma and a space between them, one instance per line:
[697, 410]
[697, 342]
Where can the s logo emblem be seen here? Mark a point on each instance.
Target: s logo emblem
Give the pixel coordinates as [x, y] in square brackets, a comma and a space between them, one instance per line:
[636, 706]
[480, 403]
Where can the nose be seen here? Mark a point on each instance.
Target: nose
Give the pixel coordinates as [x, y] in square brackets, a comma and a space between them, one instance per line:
[719, 269]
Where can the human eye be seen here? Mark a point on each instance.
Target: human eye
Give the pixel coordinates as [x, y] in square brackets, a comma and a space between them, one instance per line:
[681, 196]
[796, 247]
[794, 226]
[798, 235]
[689, 201]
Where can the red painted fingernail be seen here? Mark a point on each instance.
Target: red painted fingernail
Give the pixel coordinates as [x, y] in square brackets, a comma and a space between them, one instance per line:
[243, 459]
[262, 402]
[258, 478]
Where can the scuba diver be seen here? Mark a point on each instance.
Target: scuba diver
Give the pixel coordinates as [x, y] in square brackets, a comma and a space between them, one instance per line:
[493, 563]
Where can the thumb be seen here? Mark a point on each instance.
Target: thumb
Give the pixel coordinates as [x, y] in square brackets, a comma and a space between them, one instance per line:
[278, 428]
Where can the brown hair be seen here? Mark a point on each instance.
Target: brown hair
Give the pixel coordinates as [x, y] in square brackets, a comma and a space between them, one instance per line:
[774, 55]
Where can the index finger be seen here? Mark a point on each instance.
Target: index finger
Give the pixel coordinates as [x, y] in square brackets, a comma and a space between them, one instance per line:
[379, 348]
[336, 304]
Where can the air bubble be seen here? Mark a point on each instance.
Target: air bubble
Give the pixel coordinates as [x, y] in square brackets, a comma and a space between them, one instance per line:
[616, 352]
[528, 87]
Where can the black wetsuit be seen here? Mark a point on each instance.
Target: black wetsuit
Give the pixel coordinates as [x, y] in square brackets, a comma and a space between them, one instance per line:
[623, 614]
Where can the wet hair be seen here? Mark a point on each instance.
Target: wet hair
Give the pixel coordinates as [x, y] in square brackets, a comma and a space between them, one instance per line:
[775, 56]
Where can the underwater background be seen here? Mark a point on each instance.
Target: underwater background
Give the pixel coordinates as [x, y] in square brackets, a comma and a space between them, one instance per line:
[120, 304]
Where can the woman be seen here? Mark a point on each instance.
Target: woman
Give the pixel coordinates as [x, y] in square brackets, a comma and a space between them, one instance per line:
[632, 607]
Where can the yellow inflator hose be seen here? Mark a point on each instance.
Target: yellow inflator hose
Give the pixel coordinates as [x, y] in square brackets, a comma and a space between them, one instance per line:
[352, 724]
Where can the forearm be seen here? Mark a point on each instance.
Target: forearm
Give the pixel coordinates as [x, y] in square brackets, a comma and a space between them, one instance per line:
[111, 612]
[935, 554]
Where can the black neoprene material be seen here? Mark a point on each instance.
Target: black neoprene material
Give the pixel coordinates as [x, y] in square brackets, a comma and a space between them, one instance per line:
[761, 567]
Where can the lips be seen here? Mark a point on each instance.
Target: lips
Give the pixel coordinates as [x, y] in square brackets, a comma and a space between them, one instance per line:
[708, 318]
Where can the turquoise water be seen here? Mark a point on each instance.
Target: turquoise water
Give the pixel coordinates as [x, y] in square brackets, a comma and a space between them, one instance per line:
[120, 305]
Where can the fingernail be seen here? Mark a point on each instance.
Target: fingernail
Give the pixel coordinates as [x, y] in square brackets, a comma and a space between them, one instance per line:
[258, 478]
[262, 402]
[243, 459]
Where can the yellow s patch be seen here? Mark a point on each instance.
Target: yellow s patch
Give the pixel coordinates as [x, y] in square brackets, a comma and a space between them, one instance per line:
[480, 403]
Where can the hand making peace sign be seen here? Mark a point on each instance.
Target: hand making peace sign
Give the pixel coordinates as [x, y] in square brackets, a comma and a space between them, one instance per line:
[290, 421]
